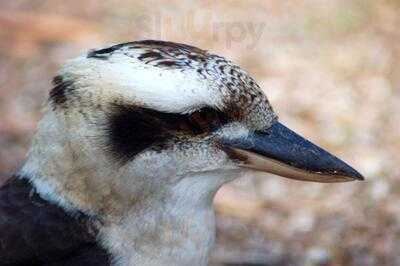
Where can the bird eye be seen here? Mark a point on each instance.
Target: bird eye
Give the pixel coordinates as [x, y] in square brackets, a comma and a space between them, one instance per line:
[206, 120]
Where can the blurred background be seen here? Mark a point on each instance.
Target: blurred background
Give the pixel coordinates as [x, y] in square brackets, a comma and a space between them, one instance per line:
[330, 68]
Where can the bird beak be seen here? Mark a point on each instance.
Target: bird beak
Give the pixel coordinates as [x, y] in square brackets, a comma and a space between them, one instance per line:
[281, 151]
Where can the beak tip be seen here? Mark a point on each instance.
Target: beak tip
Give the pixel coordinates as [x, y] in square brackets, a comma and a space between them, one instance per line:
[353, 173]
[359, 177]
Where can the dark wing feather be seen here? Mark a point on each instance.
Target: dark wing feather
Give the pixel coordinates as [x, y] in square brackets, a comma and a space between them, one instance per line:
[36, 232]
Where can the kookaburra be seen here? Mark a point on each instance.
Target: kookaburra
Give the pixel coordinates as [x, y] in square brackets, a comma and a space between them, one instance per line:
[135, 141]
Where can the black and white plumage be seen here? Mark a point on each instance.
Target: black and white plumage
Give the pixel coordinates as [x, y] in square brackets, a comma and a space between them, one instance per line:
[134, 143]
[34, 231]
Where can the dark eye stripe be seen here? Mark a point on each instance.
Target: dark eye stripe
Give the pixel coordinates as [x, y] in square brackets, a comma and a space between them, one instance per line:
[132, 129]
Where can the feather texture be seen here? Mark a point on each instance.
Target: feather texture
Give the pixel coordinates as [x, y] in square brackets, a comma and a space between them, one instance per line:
[37, 232]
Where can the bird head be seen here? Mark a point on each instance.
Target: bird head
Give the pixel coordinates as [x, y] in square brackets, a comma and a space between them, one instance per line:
[142, 118]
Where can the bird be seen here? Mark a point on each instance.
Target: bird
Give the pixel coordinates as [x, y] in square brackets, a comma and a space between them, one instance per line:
[134, 142]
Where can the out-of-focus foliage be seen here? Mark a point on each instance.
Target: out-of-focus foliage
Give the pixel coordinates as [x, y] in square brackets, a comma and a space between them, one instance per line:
[330, 68]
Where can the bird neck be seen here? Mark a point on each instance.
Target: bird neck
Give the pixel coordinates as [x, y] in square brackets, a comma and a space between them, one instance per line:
[175, 228]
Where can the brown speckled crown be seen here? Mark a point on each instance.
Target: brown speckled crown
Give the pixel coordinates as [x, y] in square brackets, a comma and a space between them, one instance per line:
[243, 98]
